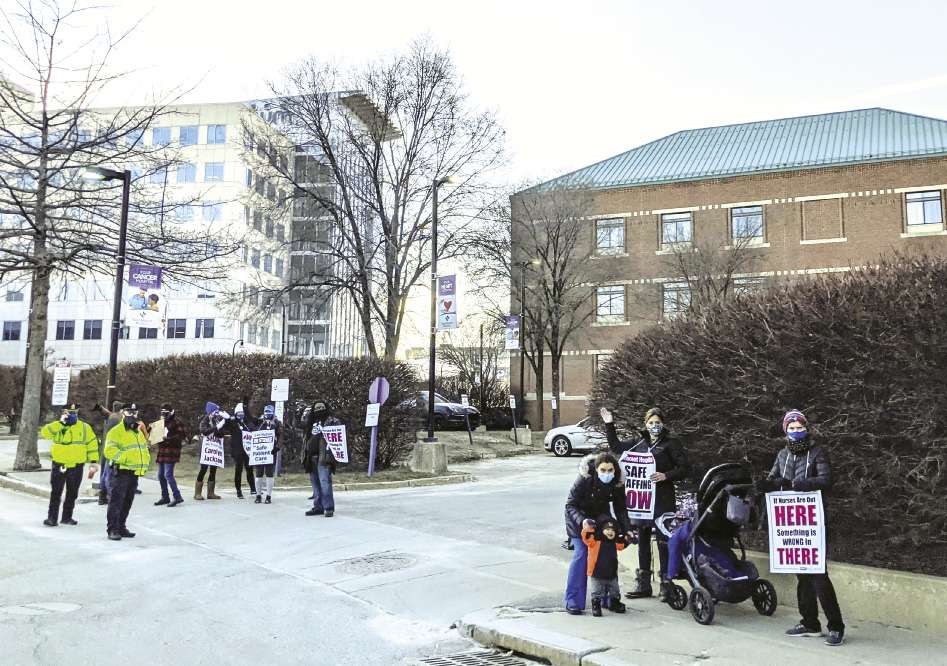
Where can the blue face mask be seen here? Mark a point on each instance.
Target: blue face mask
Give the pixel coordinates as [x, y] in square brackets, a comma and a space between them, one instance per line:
[607, 477]
[797, 436]
[71, 418]
[655, 429]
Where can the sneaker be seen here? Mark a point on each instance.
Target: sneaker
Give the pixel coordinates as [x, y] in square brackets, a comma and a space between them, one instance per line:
[177, 500]
[258, 500]
[267, 500]
[801, 630]
[68, 521]
[314, 512]
[239, 494]
[567, 545]
[49, 522]
[835, 638]
[163, 501]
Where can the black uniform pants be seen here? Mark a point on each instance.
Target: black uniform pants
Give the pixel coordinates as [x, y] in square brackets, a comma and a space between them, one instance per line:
[69, 479]
[242, 462]
[644, 549]
[122, 486]
[812, 587]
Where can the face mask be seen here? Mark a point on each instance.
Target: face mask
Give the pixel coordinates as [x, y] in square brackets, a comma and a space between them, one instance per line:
[655, 429]
[129, 421]
[71, 418]
[607, 477]
[166, 414]
[797, 436]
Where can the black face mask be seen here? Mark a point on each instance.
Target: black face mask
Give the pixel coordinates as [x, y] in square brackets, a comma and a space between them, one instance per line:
[167, 415]
[321, 415]
[129, 421]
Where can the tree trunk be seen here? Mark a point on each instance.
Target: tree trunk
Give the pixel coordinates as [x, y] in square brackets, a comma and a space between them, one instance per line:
[540, 388]
[27, 457]
[555, 358]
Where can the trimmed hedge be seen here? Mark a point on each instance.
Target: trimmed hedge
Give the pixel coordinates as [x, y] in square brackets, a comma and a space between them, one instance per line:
[863, 354]
[11, 388]
[189, 381]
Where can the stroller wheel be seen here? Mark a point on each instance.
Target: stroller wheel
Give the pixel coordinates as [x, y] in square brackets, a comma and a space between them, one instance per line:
[764, 597]
[677, 597]
[702, 605]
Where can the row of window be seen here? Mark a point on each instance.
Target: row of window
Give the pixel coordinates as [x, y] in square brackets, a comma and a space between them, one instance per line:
[265, 262]
[675, 299]
[261, 335]
[264, 224]
[922, 210]
[189, 135]
[92, 329]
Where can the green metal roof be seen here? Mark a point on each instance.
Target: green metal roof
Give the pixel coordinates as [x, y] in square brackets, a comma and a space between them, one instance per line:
[805, 142]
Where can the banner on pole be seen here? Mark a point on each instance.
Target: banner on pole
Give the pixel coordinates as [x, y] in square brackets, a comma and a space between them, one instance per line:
[337, 441]
[372, 412]
[145, 305]
[62, 373]
[261, 447]
[796, 532]
[639, 488]
[512, 332]
[212, 452]
[446, 302]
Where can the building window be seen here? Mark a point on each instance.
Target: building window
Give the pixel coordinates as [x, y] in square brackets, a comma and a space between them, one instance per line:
[249, 180]
[264, 337]
[204, 328]
[212, 212]
[213, 172]
[177, 328]
[184, 213]
[676, 228]
[268, 263]
[158, 177]
[747, 286]
[746, 224]
[600, 361]
[92, 329]
[280, 267]
[11, 330]
[676, 299]
[924, 208]
[147, 334]
[610, 236]
[66, 330]
[251, 333]
[14, 296]
[255, 258]
[280, 233]
[258, 220]
[269, 228]
[246, 215]
[188, 135]
[160, 136]
[216, 134]
[187, 173]
[610, 303]
[135, 138]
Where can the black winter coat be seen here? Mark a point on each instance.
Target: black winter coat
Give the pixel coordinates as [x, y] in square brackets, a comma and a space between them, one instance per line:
[804, 472]
[317, 451]
[234, 430]
[590, 498]
[670, 459]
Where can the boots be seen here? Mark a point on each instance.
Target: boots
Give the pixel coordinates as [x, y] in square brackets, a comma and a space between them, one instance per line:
[103, 497]
[199, 490]
[664, 591]
[596, 608]
[210, 491]
[642, 586]
[616, 606]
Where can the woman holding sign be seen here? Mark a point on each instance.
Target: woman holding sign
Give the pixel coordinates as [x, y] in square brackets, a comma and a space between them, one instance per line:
[803, 466]
[318, 458]
[652, 463]
[264, 471]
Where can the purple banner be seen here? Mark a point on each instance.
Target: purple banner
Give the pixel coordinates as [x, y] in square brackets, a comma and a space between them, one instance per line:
[447, 285]
[144, 277]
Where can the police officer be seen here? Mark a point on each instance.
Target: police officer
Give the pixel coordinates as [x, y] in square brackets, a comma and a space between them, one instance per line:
[74, 444]
[126, 449]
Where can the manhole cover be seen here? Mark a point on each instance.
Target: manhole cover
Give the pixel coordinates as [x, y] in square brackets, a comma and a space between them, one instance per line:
[375, 563]
[475, 658]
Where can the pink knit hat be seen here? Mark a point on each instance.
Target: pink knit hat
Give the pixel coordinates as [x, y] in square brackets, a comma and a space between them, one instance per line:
[794, 415]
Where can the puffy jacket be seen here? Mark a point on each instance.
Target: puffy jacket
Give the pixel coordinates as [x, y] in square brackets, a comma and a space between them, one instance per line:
[128, 449]
[590, 498]
[72, 445]
[670, 459]
[804, 472]
[603, 554]
[175, 437]
[317, 451]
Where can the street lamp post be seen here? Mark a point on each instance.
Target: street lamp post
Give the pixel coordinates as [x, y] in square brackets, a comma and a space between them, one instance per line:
[233, 351]
[523, 266]
[101, 174]
[430, 380]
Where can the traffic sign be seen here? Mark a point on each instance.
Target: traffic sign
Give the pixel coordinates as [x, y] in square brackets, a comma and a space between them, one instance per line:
[379, 391]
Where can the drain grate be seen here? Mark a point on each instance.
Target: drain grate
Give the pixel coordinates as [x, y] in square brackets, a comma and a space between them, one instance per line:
[375, 563]
[475, 658]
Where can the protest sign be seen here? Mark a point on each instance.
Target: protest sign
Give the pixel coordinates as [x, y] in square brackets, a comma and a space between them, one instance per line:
[639, 488]
[247, 441]
[261, 447]
[212, 452]
[796, 532]
[338, 444]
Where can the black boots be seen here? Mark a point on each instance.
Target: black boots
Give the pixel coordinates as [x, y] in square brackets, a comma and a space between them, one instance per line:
[642, 586]
[616, 606]
[596, 608]
[664, 591]
[163, 501]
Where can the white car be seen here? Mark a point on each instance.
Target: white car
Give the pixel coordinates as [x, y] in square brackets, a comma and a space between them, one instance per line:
[578, 438]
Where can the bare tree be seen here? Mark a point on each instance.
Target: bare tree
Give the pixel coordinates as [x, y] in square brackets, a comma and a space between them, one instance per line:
[477, 358]
[365, 171]
[53, 223]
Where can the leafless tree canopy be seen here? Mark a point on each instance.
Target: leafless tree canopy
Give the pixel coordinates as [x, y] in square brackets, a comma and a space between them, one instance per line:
[477, 357]
[373, 141]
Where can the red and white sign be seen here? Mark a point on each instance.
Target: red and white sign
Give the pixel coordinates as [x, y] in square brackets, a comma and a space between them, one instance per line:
[212, 452]
[796, 532]
[337, 442]
[639, 488]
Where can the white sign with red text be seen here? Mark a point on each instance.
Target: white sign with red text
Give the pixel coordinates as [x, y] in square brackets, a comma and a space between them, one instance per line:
[796, 532]
[337, 442]
[639, 488]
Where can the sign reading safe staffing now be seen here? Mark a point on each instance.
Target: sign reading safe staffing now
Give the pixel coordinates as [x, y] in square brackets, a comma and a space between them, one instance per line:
[446, 302]
[639, 488]
[796, 532]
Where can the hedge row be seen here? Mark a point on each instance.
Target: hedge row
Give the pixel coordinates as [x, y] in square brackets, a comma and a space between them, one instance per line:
[189, 381]
[863, 354]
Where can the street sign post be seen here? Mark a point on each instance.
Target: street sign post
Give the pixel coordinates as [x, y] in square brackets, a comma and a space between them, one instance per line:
[378, 394]
[516, 439]
[279, 390]
[465, 401]
[61, 375]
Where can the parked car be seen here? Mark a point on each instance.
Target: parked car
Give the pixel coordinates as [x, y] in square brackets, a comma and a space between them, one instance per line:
[447, 414]
[579, 438]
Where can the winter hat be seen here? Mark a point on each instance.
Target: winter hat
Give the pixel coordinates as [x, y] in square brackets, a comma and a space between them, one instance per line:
[794, 416]
[211, 408]
[238, 409]
[167, 406]
[654, 411]
[269, 411]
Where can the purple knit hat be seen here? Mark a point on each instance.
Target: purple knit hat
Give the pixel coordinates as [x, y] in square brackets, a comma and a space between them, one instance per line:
[794, 416]
[211, 408]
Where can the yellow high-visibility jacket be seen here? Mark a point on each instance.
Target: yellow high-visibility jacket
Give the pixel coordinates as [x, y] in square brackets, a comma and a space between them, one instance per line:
[127, 449]
[73, 445]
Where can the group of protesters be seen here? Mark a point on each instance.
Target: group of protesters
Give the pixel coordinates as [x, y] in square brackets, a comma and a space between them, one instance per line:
[126, 457]
[598, 524]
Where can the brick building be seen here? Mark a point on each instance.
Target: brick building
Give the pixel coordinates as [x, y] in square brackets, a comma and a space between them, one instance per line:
[799, 196]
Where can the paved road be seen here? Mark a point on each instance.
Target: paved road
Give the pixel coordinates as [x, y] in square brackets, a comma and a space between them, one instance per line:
[233, 582]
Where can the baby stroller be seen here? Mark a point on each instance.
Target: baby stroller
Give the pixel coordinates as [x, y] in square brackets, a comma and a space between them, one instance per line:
[702, 546]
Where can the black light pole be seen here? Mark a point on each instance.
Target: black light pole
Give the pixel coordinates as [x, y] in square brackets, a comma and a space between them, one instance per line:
[233, 352]
[430, 379]
[523, 265]
[99, 173]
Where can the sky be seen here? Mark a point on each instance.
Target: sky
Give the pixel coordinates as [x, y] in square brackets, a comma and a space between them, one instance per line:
[572, 82]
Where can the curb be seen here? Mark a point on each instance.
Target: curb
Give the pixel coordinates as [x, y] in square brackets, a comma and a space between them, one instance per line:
[489, 628]
[387, 485]
[12, 483]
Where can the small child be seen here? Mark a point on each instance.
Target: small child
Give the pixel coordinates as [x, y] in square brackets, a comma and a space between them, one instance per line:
[603, 543]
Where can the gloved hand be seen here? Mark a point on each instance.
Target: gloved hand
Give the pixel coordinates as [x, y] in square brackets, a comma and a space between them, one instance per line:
[224, 415]
[62, 419]
[764, 486]
[631, 538]
[800, 485]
